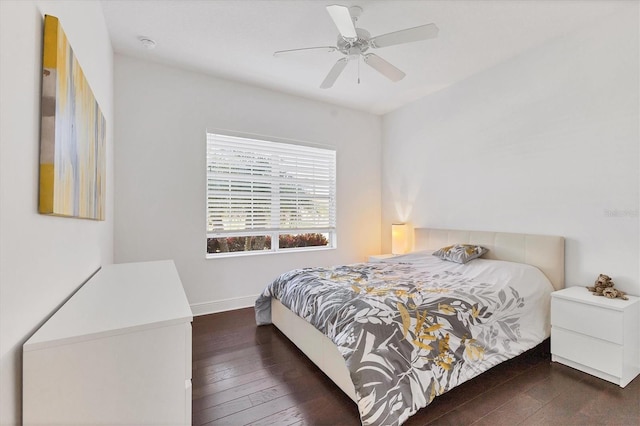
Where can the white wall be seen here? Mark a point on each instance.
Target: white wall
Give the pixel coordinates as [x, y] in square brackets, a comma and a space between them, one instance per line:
[546, 142]
[43, 259]
[162, 115]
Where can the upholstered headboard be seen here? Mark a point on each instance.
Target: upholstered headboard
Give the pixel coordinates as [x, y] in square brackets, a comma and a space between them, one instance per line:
[542, 251]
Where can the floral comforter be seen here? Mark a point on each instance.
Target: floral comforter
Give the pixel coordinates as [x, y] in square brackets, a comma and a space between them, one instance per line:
[414, 328]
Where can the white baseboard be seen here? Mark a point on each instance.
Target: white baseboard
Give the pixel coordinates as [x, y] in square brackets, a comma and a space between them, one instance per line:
[223, 305]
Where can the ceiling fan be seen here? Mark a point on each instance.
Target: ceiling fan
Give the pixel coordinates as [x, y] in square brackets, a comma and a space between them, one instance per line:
[354, 42]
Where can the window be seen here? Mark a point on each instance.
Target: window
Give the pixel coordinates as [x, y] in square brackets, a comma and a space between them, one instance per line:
[265, 196]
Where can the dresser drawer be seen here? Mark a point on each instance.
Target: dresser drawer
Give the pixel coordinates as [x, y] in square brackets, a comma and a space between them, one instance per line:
[603, 323]
[585, 350]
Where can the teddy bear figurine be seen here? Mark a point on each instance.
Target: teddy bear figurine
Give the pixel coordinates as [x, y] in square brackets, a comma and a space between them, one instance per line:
[603, 281]
[603, 286]
[613, 293]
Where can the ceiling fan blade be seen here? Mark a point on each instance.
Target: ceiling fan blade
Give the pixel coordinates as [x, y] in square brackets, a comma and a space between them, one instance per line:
[335, 72]
[342, 18]
[383, 67]
[327, 49]
[423, 32]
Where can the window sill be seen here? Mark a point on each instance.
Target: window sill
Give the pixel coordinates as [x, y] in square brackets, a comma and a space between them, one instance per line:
[263, 252]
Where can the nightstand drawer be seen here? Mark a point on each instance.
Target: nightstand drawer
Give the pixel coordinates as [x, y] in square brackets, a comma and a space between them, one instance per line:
[603, 323]
[585, 350]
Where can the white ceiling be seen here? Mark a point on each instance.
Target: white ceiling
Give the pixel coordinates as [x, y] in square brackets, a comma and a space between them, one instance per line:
[236, 40]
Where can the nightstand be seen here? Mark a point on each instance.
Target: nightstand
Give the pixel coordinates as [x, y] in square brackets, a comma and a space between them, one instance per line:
[595, 334]
[380, 257]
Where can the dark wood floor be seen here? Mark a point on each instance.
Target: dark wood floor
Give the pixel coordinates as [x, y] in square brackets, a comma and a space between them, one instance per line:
[243, 374]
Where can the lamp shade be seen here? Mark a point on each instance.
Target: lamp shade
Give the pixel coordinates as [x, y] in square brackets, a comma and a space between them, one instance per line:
[398, 238]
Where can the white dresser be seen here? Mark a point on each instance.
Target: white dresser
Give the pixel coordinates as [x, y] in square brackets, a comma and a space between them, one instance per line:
[596, 335]
[118, 352]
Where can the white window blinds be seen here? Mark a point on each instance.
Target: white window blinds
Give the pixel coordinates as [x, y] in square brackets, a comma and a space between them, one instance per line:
[256, 186]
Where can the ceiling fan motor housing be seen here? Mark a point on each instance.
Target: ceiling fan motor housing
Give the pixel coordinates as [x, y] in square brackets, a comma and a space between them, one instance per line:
[356, 47]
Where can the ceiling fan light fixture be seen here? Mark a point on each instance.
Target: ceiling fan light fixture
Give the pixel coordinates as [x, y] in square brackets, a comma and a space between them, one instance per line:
[353, 52]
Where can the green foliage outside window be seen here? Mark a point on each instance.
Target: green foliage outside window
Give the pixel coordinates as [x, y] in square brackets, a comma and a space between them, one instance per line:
[263, 242]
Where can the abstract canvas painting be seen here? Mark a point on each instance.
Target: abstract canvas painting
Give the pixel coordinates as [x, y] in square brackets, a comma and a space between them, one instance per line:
[73, 132]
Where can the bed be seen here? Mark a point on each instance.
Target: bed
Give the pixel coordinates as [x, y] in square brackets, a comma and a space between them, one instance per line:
[445, 327]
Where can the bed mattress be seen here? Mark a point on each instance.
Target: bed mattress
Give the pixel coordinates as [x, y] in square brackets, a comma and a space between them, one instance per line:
[415, 326]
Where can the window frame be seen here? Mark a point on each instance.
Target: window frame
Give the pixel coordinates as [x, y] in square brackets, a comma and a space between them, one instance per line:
[330, 233]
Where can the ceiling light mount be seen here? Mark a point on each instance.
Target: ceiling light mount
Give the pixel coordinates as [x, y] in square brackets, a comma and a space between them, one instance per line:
[355, 12]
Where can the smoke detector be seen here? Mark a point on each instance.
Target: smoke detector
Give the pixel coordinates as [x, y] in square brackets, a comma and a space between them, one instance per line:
[147, 43]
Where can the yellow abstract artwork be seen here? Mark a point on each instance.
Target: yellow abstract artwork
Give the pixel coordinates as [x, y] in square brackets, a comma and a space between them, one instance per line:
[73, 133]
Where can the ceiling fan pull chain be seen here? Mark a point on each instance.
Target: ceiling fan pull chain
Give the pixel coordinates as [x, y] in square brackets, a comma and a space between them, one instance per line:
[359, 70]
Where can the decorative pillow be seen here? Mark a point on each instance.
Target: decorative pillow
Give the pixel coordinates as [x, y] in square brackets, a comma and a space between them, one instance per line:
[460, 253]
